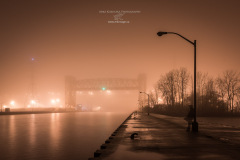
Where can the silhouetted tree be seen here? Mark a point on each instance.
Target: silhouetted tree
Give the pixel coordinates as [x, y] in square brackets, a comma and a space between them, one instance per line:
[184, 79]
[152, 99]
[173, 86]
[211, 96]
[214, 96]
[163, 88]
[201, 82]
[155, 93]
[229, 84]
[221, 87]
[167, 87]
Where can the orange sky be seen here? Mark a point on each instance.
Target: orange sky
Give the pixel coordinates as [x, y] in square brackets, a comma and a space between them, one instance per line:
[73, 38]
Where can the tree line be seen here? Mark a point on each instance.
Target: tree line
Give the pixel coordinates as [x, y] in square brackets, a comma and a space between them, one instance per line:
[173, 92]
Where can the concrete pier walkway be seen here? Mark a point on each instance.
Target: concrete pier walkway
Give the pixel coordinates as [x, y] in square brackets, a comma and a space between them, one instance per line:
[162, 137]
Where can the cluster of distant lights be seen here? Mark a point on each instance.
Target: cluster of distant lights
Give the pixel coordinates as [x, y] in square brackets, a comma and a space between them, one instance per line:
[34, 103]
[54, 102]
[98, 108]
[108, 92]
[92, 93]
[12, 103]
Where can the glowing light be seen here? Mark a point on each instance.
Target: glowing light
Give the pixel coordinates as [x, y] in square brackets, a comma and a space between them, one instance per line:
[79, 92]
[33, 102]
[160, 100]
[90, 93]
[53, 101]
[98, 108]
[103, 88]
[33, 59]
[109, 92]
[12, 103]
[5, 106]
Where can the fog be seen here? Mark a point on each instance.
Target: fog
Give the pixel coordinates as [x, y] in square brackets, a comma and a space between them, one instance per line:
[74, 38]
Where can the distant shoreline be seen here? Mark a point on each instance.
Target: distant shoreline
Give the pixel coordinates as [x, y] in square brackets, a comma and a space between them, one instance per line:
[34, 112]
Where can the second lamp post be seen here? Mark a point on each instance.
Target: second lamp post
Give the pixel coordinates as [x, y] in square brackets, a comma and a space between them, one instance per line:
[148, 101]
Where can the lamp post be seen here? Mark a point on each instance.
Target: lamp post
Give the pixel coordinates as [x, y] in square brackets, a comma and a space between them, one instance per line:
[33, 66]
[148, 100]
[194, 43]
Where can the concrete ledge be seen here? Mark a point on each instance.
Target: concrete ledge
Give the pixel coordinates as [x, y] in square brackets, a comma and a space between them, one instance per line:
[164, 137]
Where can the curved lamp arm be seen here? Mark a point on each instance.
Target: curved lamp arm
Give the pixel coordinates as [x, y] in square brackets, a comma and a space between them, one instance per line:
[162, 33]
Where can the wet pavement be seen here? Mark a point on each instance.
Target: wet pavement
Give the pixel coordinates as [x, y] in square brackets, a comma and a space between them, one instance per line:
[162, 137]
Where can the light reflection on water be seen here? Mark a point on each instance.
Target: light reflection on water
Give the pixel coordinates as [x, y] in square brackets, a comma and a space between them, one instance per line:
[56, 135]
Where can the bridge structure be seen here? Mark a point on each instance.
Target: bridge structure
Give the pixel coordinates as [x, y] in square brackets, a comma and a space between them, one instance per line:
[72, 85]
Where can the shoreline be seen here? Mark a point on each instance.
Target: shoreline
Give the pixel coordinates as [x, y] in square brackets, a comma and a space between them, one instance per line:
[34, 112]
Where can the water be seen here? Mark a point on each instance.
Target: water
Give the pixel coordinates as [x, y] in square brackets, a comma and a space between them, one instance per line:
[58, 136]
[226, 121]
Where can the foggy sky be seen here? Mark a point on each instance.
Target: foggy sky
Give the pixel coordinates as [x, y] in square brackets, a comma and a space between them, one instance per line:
[73, 38]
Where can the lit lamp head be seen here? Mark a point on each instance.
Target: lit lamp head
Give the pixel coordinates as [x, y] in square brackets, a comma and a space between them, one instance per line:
[161, 33]
[12, 103]
[33, 101]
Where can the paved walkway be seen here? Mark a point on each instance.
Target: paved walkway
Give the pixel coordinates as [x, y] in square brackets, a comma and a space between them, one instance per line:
[221, 132]
[162, 137]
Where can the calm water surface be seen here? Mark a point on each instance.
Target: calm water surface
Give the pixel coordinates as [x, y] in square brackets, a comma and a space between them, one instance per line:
[55, 136]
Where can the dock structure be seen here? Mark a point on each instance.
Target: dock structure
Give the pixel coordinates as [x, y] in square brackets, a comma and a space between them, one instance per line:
[160, 137]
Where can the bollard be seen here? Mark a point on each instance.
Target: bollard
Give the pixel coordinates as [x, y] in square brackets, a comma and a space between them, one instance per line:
[132, 136]
[103, 146]
[97, 153]
[107, 141]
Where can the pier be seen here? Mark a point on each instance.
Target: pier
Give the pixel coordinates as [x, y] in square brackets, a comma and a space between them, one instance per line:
[160, 137]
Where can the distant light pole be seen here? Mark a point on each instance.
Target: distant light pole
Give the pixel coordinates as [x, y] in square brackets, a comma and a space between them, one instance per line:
[32, 78]
[33, 102]
[195, 124]
[12, 103]
[148, 101]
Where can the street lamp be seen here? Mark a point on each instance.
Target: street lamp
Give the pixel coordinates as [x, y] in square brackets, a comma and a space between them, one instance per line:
[195, 124]
[12, 103]
[32, 79]
[33, 102]
[148, 100]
